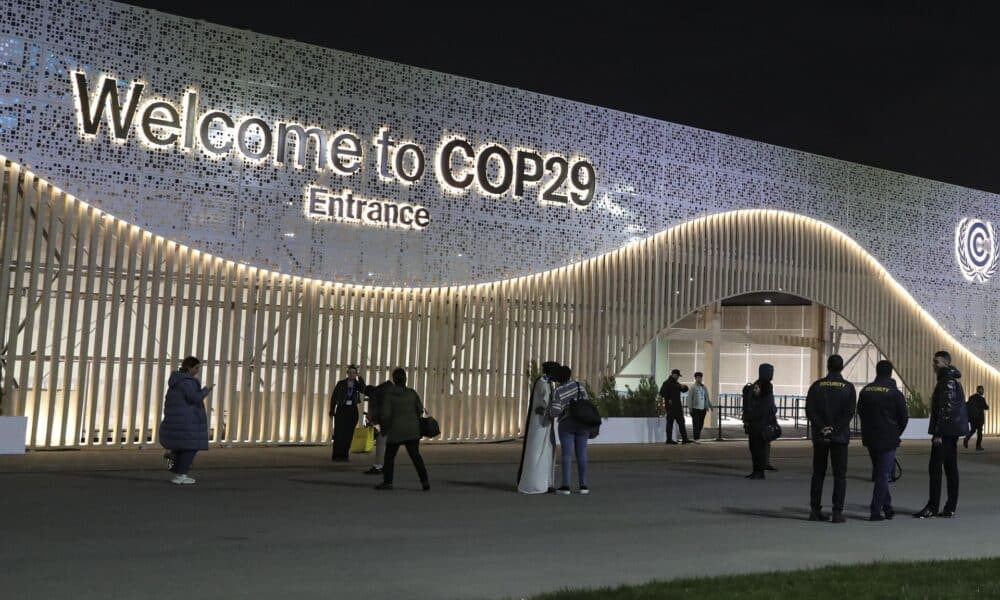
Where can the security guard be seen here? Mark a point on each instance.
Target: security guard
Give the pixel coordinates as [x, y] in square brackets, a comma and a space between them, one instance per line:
[830, 407]
[882, 409]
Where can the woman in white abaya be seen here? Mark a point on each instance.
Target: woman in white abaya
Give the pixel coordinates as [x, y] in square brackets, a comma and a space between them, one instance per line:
[536, 475]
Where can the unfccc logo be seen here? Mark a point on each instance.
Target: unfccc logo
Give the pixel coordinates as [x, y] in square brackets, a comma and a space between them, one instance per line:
[976, 249]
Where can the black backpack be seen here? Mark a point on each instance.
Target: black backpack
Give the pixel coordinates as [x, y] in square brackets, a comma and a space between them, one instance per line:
[583, 411]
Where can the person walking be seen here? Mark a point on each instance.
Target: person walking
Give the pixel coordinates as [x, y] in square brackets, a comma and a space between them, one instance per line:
[573, 435]
[700, 404]
[883, 415]
[976, 407]
[344, 412]
[400, 414]
[671, 391]
[758, 412]
[184, 429]
[536, 474]
[830, 405]
[376, 395]
[949, 420]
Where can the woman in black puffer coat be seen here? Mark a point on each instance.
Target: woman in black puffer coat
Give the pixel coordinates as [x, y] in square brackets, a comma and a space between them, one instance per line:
[184, 430]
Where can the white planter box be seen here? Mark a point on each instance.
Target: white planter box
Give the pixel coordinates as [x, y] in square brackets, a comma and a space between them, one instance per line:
[13, 433]
[916, 429]
[634, 430]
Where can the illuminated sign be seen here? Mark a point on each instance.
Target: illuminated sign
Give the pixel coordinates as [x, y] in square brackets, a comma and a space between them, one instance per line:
[976, 250]
[458, 166]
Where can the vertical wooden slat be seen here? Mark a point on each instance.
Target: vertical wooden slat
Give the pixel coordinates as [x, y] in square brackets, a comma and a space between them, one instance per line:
[44, 417]
[36, 202]
[57, 416]
[143, 247]
[71, 401]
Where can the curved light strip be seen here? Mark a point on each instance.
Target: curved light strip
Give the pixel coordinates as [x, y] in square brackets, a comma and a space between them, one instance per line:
[853, 245]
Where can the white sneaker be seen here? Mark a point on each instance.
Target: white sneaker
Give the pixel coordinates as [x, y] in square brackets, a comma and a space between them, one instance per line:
[584, 490]
[181, 480]
[189, 480]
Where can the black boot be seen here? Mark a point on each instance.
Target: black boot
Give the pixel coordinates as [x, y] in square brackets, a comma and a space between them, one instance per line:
[816, 515]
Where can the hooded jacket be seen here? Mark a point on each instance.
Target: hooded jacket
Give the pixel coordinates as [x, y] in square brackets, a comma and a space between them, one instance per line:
[949, 415]
[185, 422]
[882, 410]
[758, 400]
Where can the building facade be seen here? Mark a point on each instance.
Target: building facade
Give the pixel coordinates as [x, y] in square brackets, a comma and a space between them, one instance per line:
[174, 187]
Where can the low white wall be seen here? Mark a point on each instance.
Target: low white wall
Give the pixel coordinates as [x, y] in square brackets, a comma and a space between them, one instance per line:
[634, 430]
[916, 429]
[13, 433]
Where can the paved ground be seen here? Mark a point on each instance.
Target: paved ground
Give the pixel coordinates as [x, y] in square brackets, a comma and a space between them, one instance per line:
[283, 523]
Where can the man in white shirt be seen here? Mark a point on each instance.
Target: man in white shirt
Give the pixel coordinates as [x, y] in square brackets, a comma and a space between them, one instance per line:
[699, 404]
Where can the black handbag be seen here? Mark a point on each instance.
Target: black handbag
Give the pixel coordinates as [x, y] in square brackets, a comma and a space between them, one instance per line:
[772, 431]
[429, 427]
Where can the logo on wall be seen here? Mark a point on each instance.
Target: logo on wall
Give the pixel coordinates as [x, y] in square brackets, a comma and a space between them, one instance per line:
[976, 249]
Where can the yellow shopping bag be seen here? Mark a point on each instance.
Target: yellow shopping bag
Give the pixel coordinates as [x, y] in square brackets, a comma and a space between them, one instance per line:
[364, 440]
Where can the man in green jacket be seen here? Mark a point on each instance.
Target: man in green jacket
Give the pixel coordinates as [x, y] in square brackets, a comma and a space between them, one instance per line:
[401, 410]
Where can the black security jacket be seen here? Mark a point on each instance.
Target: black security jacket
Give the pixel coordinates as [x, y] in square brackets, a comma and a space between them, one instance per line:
[882, 410]
[830, 403]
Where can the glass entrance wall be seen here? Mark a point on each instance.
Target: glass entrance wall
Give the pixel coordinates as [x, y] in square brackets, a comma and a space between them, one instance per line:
[796, 365]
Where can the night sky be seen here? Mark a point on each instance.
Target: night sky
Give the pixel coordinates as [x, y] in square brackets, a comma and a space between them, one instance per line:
[909, 89]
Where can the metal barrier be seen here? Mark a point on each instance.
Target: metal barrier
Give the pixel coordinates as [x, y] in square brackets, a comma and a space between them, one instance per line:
[790, 408]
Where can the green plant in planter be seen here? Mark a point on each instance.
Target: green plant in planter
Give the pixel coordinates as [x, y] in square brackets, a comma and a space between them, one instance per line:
[916, 406]
[608, 399]
[642, 401]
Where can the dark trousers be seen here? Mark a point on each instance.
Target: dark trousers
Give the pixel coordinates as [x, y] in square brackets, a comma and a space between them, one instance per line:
[679, 418]
[344, 422]
[944, 455]
[183, 459]
[413, 449]
[882, 464]
[697, 422]
[836, 455]
[977, 429]
[758, 450]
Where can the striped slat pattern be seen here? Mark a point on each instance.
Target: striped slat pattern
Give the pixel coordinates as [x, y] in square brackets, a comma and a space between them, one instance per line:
[95, 313]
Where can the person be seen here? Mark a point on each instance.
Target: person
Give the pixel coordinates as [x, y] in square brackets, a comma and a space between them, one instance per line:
[700, 404]
[184, 430]
[344, 411]
[536, 474]
[376, 394]
[949, 420]
[883, 415]
[573, 436]
[976, 407]
[758, 412]
[671, 391]
[830, 405]
[400, 415]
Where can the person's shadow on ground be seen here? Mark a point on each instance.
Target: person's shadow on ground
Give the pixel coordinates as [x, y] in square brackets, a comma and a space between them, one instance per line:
[496, 486]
